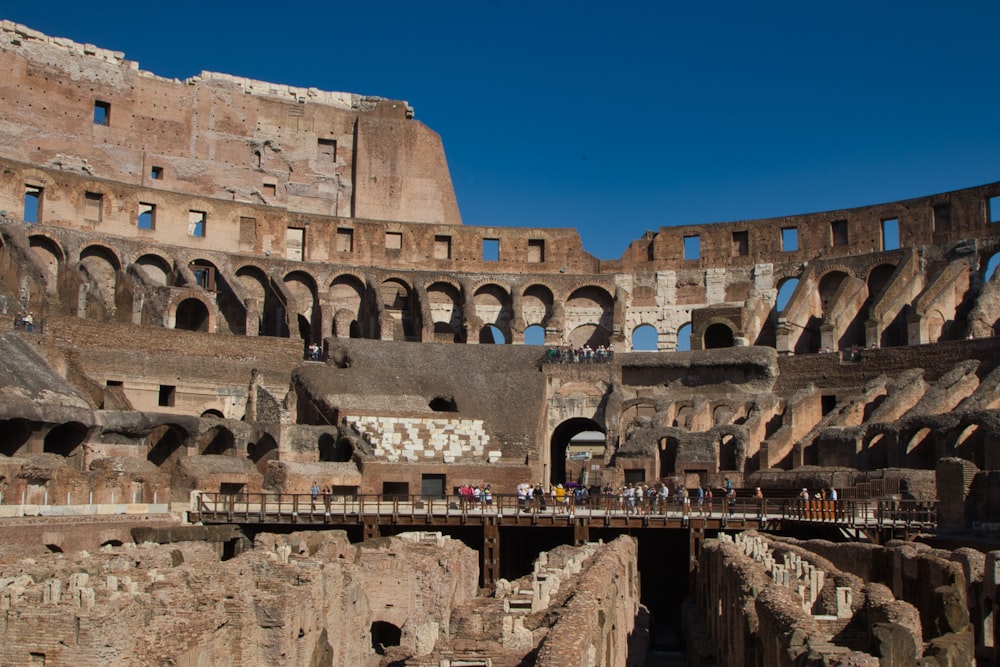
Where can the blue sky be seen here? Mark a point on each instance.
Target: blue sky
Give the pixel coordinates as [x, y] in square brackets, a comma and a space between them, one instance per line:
[620, 118]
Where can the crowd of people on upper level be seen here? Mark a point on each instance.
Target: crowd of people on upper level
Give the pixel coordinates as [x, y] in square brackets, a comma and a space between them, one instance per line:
[580, 355]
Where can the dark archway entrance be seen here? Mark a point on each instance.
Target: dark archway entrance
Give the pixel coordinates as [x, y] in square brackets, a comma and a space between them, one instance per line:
[192, 315]
[14, 434]
[717, 336]
[384, 635]
[561, 437]
[65, 440]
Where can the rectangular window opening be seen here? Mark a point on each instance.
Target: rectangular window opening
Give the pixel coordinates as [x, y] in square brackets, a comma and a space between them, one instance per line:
[345, 239]
[789, 239]
[942, 218]
[102, 112]
[32, 203]
[635, 475]
[838, 232]
[828, 402]
[295, 243]
[114, 383]
[741, 244]
[270, 190]
[993, 204]
[491, 250]
[196, 223]
[93, 206]
[890, 234]
[326, 150]
[692, 247]
[147, 216]
[442, 247]
[393, 240]
[248, 233]
[167, 395]
[536, 251]
[156, 173]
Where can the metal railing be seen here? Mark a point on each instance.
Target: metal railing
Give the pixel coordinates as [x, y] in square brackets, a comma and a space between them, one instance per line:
[291, 507]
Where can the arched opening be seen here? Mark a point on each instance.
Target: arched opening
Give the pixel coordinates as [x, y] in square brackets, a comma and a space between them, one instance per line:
[212, 414]
[991, 267]
[668, 456]
[102, 266]
[400, 309]
[333, 450]
[920, 450]
[385, 635]
[878, 452]
[718, 335]
[112, 543]
[301, 305]
[728, 453]
[534, 335]
[50, 255]
[348, 301]
[192, 315]
[490, 335]
[445, 305]
[165, 444]
[54, 548]
[684, 338]
[645, 338]
[156, 269]
[65, 440]
[217, 440]
[14, 434]
[443, 404]
[261, 299]
[590, 334]
[493, 308]
[895, 333]
[785, 290]
[262, 451]
[559, 448]
[970, 445]
[536, 306]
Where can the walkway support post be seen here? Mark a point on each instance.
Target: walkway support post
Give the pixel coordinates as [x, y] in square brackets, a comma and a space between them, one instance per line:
[491, 552]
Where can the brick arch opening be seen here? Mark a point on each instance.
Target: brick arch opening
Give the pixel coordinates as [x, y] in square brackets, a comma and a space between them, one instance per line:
[558, 445]
[401, 311]
[336, 450]
[156, 269]
[262, 451]
[536, 305]
[718, 335]
[192, 315]
[349, 302]
[385, 635]
[444, 301]
[217, 440]
[14, 434]
[491, 334]
[165, 445]
[589, 334]
[644, 338]
[66, 440]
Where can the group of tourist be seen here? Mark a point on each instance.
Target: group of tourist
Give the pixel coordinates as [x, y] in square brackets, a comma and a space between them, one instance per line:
[585, 354]
[25, 322]
[822, 494]
[473, 496]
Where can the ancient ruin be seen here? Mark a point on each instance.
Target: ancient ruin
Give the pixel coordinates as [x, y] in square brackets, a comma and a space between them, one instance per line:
[238, 315]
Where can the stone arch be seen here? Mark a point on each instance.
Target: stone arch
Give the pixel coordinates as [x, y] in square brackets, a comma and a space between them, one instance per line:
[217, 440]
[262, 451]
[400, 309]
[192, 313]
[684, 337]
[718, 335]
[878, 278]
[206, 273]
[644, 338]
[304, 306]
[558, 444]
[894, 333]
[589, 334]
[348, 299]
[165, 444]
[49, 252]
[445, 303]
[156, 268]
[642, 408]
[385, 635]
[920, 449]
[534, 334]
[829, 283]
[212, 413]
[491, 334]
[990, 268]
[786, 287]
[333, 449]
[970, 444]
[66, 440]
[537, 303]
[589, 305]
[493, 306]
[14, 434]
[262, 299]
[102, 265]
